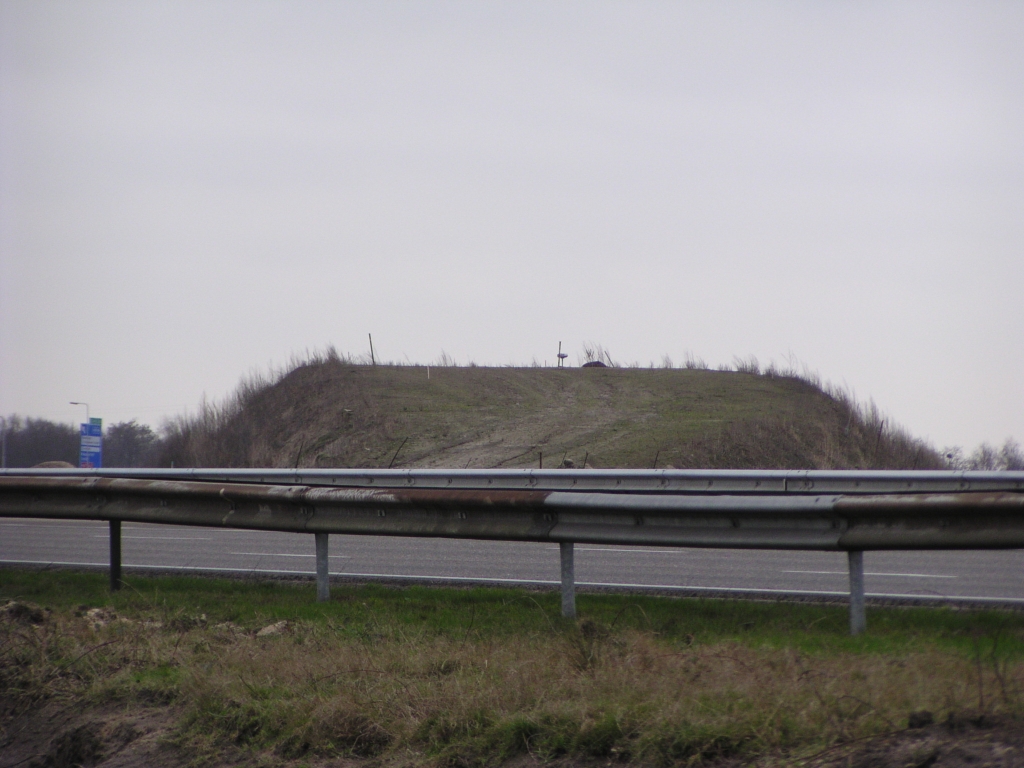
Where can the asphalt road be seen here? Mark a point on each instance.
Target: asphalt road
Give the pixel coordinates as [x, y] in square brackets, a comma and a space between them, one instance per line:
[970, 575]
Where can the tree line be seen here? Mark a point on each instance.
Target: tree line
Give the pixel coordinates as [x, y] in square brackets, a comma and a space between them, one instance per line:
[27, 442]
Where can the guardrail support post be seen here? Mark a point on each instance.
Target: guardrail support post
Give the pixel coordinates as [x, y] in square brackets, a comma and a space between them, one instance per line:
[858, 619]
[568, 580]
[115, 555]
[323, 587]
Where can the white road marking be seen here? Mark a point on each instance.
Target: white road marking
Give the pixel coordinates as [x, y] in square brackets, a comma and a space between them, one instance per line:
[59, 524]
[160, 538]
[902, 575]
[281, 554]
[615, 549]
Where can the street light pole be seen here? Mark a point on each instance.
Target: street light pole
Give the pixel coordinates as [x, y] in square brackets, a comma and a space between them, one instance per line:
[75, 402]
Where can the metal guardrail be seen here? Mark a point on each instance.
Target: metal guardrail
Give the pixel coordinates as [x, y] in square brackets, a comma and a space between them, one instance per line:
[599, 480]
[757, 510]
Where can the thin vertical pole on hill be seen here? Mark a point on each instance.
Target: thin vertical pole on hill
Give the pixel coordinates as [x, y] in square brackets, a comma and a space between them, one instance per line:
[565, 549]
[115, 555]
[323, 587]
[373, 360]
[858, 618]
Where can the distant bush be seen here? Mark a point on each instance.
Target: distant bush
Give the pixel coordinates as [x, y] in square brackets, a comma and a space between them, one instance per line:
[130, 444]
[694, 362]
[33, 441]
[987, 457]
[748, 364]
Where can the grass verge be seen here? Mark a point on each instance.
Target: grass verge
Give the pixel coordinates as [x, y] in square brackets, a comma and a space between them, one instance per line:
[475, 677]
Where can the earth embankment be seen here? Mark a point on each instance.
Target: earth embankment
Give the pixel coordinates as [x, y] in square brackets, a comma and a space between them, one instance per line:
[328, 412]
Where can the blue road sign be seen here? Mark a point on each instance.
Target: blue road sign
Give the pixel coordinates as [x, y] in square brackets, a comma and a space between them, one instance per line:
[90, 452]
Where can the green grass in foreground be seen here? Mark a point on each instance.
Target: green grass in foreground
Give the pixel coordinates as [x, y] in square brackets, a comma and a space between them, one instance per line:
[467, 677]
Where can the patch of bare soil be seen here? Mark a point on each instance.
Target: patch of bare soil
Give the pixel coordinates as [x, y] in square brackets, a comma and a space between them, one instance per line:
[961, 741]
[58, 735]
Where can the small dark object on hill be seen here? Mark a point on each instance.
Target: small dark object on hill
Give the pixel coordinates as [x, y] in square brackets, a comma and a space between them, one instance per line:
[594, 364]
[78, 747]
[23, 613]
[921, 719]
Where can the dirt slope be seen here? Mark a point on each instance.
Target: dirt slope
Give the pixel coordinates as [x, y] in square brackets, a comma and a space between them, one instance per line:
[331, 413]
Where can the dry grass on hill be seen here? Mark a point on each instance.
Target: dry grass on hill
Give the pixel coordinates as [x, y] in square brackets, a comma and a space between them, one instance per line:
[332, 412]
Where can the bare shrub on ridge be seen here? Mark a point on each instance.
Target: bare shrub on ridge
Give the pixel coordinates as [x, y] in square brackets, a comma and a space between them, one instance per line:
[595, 353]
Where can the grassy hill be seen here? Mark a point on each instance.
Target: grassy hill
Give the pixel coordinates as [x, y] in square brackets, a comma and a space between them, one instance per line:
[332, 412]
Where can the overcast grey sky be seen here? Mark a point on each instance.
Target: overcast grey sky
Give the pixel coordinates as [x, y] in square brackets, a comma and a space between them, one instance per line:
[189, 191]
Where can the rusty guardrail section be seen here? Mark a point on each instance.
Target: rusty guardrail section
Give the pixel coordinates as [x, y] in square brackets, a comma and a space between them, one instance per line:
[975, 520]
[851, 522]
